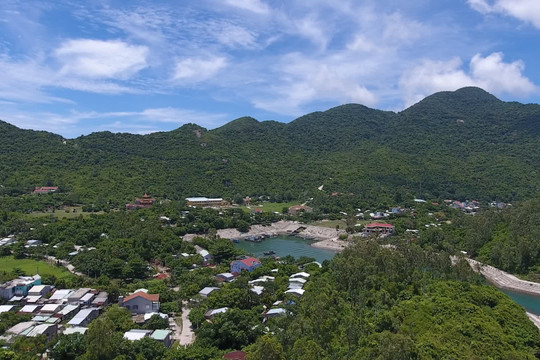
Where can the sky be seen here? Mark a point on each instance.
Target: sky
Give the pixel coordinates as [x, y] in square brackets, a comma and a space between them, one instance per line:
[76, 67]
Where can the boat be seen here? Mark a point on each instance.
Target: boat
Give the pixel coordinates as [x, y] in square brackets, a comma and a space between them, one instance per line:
[269, 252]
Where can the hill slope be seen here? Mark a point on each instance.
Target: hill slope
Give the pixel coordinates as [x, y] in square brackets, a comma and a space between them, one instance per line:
[462, 144]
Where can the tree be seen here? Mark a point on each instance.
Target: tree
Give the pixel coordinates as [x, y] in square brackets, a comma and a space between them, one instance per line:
[156, 322]
[103, 341]
[69, 347]
[266, 348]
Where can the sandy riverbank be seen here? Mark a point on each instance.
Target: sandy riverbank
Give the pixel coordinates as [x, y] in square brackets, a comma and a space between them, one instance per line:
[504, 280]
[327, 238]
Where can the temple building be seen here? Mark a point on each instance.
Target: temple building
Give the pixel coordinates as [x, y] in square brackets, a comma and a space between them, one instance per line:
[141, 203]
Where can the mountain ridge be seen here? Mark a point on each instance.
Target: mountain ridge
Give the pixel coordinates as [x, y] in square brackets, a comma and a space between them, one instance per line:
[463, 144]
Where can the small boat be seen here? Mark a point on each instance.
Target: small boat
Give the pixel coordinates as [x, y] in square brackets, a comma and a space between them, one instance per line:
[269, 252]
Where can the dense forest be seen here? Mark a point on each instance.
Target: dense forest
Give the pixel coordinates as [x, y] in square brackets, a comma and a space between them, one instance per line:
[462, 144]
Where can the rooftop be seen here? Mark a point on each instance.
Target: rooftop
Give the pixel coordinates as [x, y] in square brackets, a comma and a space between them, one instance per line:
[149, 297]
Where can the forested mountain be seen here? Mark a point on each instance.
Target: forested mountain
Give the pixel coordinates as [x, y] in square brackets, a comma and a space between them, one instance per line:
[462, 144]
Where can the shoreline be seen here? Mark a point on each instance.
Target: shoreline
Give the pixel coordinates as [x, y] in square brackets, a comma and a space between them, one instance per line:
[504, 280]
[324, 237]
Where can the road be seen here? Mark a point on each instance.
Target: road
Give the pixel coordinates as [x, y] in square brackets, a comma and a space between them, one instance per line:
[184, 334]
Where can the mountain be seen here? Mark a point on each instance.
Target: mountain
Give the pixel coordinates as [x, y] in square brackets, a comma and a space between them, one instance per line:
[461, 144]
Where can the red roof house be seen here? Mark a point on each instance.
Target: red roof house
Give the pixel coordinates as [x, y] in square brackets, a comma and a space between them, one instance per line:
[235, 355]
[248, 264]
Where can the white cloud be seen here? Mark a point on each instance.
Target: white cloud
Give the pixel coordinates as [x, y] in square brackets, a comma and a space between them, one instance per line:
[235, 36]
[194, 70]
[101, 59]
[524, 10]
[490, 73]
[313, 30]
[256, 6]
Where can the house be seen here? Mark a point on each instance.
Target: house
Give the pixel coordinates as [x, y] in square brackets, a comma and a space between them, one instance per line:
[297, 292]
[75, 297]
[209, 315]
[235, 355]
[60, 296]
[225, 277]
[248, 264]
[8, 241]
[141, 203]
[294, 210]
[49, 330]
[257, 289]
[304, 275]
[206, 202]
[136, 334]
[45, 189]
[6, 308]
[207, 291]
[379, 229]
[163, 336]
[51, 309]
[32, 243]
[29, 309]
[39, 290]
[207, 257]
[141, 302]
[19, 287]
[67, 312]
[87, 298]
[272, 313]
[84, 317]
[101, 299]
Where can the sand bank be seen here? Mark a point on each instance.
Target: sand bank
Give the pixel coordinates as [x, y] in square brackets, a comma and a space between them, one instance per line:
[504, 280]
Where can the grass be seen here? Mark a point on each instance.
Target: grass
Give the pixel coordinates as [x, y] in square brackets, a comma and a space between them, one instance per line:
[65, 213]
[29, 266]
[269, 207]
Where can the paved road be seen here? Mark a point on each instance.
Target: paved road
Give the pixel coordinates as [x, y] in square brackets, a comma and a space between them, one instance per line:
[186, 336]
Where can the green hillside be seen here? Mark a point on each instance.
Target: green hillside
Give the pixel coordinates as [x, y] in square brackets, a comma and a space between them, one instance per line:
[462, 144]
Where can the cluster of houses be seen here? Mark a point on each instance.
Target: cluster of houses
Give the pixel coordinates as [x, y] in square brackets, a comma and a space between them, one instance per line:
[378, 229]
[52, 310]
[70, 311]
[469, 207]
[257, 286]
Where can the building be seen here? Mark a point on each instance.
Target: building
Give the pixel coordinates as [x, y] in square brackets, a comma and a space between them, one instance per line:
[163, 336]
[51, 309]
[304, 275]
[49, 330]
[248, 264]
[6, 308]
[75, 330]
[207, 291]
[207, 257]
[297, 292]
[19, 287]
[209, 315]
[235, 355]
[67, 312]
[296, 209]
[272, 313]
[76, 297]
[60, 296]
[225, 277]
[141, 203]
[379, 229]
[136, 334]
[206, 202]
[101, 299]
[141, 302]
[84, 317]
[39, 290]
[45, 189]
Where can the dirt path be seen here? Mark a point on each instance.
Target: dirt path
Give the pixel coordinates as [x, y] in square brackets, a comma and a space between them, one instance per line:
[186, 336]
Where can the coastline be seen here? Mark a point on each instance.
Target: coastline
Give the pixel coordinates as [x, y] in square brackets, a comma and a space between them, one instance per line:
[324, 238]
[504, 280]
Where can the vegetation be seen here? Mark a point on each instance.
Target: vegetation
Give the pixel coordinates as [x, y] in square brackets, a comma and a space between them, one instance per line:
[461, 144]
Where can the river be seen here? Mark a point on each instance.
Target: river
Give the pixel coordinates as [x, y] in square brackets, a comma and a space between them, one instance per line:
[530, 302]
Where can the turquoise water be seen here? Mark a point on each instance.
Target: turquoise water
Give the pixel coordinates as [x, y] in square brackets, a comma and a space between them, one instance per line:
[530, 302]
[286, 245]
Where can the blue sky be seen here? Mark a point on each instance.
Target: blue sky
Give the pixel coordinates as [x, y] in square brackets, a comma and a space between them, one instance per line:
[74, 67]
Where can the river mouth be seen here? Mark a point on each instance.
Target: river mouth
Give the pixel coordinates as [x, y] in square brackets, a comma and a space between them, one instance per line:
[285, 245]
